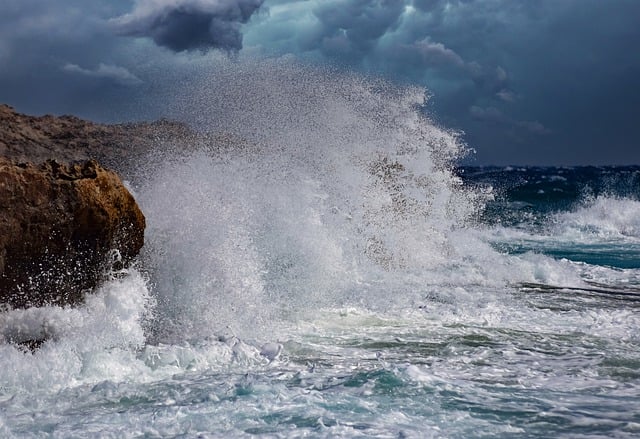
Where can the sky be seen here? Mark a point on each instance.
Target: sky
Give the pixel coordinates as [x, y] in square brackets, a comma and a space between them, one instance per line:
[529, 82]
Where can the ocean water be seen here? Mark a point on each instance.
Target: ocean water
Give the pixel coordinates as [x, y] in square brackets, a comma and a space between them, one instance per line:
[326, 269]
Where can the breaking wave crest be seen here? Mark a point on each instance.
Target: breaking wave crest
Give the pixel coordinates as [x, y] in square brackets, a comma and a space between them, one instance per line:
[317, 189]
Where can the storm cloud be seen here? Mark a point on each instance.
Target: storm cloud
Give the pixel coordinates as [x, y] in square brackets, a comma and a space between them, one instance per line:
[117, 74]
[188, 24]
[520, 78]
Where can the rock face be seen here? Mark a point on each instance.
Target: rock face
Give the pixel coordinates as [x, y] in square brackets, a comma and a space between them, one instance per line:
[66, 139]
[59, 227]
[64, 219]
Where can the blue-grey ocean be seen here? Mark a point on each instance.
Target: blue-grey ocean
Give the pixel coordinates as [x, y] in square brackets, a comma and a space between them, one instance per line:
[320, 264]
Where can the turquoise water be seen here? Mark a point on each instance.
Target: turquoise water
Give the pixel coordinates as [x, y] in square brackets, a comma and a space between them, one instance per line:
[336, 275]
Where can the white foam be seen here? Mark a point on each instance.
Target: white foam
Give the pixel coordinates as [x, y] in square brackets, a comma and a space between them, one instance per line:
[336, 191]
[342, 183]
[602, 217]
[107, 329]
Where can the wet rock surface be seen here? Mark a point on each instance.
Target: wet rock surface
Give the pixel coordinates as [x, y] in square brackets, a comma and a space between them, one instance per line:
[61, 228]
[65, 220]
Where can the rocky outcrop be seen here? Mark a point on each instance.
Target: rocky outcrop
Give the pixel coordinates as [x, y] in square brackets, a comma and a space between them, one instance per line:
[67, 139]
[64, 219]
[61, 227]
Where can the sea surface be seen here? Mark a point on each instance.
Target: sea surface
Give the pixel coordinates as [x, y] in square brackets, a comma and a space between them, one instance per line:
[332, 270]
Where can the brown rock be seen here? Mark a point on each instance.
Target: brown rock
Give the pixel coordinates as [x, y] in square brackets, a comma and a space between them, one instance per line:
[59, 226]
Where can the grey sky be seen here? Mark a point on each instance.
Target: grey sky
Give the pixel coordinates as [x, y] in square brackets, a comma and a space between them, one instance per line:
[529, 82]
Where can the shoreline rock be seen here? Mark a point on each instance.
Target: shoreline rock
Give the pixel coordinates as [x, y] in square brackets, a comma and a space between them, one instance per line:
[64, 218]
[59, 227]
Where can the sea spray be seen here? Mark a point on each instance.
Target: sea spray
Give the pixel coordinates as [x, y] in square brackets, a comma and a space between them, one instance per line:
[78, 344]
[311, 188]
[336, 184]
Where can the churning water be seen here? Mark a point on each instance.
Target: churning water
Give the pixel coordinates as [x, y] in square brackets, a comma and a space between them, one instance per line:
[317, 267]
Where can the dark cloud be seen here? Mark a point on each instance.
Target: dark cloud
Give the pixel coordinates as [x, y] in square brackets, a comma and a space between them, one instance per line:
[494, 115]
[353, 27]
[118, 75]
[189, 24]
[425, 54]
[558, 74]
[40, 43]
